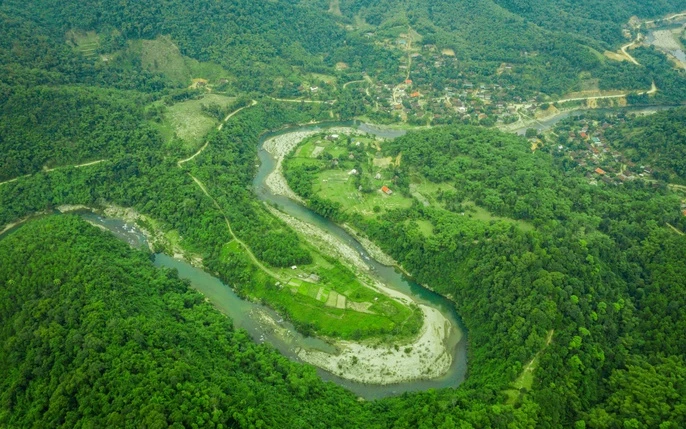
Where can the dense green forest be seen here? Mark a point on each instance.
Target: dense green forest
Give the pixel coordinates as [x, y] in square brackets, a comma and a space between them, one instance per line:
[658, 140]
[576, 282]
[94, 335]
[599, 270]
[68, 125]
[270, 47]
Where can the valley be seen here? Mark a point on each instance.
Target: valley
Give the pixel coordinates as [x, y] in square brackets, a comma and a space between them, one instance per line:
[342, 214]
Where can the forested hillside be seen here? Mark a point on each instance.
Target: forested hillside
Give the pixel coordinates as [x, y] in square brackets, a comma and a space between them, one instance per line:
[571, 285]
[255, 42]
[658, 140]
[94, 335]
[594, 275]
[48, 127]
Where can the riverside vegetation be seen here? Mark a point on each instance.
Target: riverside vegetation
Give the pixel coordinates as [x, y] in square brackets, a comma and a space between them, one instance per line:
[571, 293]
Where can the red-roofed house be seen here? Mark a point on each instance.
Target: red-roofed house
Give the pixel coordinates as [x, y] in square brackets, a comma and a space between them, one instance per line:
[386, 190]
[600, 171]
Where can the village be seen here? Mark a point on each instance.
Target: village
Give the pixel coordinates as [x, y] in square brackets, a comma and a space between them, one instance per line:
[430, 86]
[583, 141]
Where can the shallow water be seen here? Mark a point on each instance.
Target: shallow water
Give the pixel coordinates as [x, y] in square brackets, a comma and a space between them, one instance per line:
[249, 315]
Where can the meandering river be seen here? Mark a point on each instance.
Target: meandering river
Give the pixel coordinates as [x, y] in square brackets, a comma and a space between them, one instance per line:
[265, 325]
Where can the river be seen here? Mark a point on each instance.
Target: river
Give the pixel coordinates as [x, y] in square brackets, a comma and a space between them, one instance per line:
[549, 122]
[456, 342]
[248, 315]
[273, 329]
[666, 38]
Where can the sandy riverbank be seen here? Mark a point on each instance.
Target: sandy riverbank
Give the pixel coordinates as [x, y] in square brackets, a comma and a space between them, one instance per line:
[282, 145]
[424, 357]
[371, 247]
[279, 147]
[155, 236]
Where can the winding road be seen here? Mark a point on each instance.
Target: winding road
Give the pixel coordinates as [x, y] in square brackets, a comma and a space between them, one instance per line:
[637, 41]
[297, 100]
[669, 18]
[47, 170]
[221, 125]
[652, 90]
[627, 46]
[203, 188]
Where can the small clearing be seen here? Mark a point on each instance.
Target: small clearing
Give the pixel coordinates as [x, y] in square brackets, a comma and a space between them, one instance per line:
[615, 56]
[335, 8]
[163, 56]
[188, 122]
[362, 307]
[383, 162]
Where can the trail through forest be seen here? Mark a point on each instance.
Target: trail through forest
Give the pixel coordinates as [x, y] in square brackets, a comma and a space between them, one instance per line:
[221, 125]
[652, 90]
[203, 188]
[47, 170]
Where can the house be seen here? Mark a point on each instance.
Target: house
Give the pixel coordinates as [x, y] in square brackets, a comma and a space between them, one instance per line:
[386, 190]
[352, 172]
[408, 81]
[600, 171]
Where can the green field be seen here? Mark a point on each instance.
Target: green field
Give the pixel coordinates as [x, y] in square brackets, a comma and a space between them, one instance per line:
[337, 186]
[335, 183]
[314, 303]
[187, 122]
[84, 42]
[479, 213]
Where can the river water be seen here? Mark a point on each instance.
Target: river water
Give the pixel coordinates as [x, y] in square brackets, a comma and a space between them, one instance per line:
[663, 39]
[250, 316]
[456, 343]
[550, 122]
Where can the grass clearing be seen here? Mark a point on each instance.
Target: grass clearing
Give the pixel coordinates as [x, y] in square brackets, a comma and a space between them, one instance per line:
[328, 79]
[187, 121]
[425, 227]
[163, 56]
[334, 303]
[479, 213]
[337, 186]
[84, 42]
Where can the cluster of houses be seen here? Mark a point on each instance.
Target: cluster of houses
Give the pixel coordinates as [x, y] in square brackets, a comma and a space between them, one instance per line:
[437, 87]
[588, 147]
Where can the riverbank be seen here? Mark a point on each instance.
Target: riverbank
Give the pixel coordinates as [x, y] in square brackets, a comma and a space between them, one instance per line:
[423, 357]
[371, 247]
[157, 239]
[280, 146]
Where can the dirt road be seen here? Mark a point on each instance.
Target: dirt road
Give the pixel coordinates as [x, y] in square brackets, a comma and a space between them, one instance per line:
[47, 170]
[221, 125]
[652, 90]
